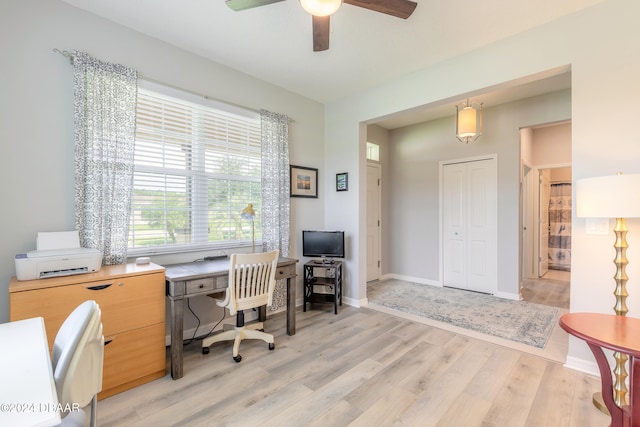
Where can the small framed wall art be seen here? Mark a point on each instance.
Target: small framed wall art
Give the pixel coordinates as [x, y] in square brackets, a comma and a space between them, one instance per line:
[304, 181]
[342, 181]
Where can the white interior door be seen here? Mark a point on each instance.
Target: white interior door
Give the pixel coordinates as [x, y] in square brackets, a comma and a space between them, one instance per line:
[529, 223]
[543, 212]
[373, 222]
[454, 195]
[470, 225]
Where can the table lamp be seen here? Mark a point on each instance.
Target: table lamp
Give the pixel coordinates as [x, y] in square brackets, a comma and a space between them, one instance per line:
[250, 214]
[613, 196]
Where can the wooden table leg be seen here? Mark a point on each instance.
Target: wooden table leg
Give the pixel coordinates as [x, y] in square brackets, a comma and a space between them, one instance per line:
[634, 398]
[607, 385]
[291, 306]
[176, 337]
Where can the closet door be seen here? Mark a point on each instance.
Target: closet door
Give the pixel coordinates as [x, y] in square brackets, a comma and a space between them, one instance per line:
[469, 225]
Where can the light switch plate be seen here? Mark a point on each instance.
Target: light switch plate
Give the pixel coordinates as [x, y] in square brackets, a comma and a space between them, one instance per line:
[597, 225]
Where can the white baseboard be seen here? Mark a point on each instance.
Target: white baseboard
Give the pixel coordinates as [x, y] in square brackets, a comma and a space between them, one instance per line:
[582, 365]
[354, 302]
[507, 295]
[411, 279]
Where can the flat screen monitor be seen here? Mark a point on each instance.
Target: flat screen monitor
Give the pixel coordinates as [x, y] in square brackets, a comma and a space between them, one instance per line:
[324, 244]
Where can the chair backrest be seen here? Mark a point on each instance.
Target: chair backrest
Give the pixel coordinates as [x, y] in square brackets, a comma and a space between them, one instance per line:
[251, 280]
[78, 356]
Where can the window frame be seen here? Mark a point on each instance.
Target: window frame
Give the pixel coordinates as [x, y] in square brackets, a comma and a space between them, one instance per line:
[199, 216]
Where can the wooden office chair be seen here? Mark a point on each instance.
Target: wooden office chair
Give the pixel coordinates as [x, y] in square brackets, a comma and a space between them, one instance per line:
[77, 360]
[251, 283]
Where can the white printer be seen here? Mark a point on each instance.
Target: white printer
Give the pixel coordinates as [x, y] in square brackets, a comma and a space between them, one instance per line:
[57, 254]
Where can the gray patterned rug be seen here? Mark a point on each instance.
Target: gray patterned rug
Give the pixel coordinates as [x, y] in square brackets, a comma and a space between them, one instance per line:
[517, 321]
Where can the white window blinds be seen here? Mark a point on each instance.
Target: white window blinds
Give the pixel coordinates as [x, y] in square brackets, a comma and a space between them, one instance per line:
[197, 165]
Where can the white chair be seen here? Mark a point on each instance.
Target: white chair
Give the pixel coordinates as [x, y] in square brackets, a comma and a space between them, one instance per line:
[251, 284]
[77, 361]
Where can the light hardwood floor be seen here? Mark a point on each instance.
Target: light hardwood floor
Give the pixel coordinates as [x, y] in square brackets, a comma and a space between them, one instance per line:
[361, 368]
[552, 289]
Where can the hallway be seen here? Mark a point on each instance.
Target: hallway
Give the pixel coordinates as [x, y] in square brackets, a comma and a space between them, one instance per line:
[552, 289]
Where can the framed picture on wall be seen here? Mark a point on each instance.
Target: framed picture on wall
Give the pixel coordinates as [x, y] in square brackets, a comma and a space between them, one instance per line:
[304, 181]
[342, 181]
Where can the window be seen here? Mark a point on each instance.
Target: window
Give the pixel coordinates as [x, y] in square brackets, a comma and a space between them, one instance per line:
[196, 166]
[373, 151]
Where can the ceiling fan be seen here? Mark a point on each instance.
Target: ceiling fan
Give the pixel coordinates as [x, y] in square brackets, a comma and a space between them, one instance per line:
[320, 16]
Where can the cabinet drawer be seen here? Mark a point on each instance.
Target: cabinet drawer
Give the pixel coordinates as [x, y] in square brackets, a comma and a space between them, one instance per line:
[286, 271]
[131, 357]
[126, 303]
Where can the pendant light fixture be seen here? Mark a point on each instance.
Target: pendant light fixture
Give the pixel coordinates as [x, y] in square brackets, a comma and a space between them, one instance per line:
[468, 121]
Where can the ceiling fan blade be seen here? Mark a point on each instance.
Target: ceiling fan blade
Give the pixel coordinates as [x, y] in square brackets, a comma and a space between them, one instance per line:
[248, 4]
[320, 33]
[398, 8]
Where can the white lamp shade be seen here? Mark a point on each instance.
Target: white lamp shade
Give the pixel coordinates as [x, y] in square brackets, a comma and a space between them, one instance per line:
[321, 7]
[614, 196]
[467, 122]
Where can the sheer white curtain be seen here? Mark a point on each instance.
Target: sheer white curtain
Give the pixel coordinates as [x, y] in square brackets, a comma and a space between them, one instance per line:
[104, 109]
[275, 191]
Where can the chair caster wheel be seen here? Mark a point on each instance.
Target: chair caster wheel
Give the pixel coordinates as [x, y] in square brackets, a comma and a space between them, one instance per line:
[205, 350]
[237, 358]
[271, 346]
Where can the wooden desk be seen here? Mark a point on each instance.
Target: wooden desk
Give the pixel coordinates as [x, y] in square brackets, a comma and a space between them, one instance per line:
[617, 333]
[203, 278]
[28, 393]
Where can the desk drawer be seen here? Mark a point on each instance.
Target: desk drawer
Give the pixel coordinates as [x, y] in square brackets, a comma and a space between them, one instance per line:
[206, 285]
[199, 285]
[286, 271]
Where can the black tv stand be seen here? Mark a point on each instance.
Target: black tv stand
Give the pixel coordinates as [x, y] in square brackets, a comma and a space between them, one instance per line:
[324, 261]
[320, 276]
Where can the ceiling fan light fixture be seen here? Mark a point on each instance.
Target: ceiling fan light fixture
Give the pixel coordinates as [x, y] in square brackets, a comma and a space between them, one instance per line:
[321, 7]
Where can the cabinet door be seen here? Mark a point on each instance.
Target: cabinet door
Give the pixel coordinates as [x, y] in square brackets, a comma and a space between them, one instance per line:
[126, 303]
[132, 358]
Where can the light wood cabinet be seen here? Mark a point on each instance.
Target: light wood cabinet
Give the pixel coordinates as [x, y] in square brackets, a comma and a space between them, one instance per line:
[132, 301]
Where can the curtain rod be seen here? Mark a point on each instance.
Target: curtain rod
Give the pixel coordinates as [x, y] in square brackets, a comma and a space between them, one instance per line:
[69, 55]
[64, 53]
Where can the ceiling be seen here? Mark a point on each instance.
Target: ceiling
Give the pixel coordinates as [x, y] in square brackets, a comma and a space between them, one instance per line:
[274, 43]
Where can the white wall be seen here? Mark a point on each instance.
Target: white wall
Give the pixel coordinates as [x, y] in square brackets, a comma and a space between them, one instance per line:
[36, 117]
[600, 45]
[552, 145]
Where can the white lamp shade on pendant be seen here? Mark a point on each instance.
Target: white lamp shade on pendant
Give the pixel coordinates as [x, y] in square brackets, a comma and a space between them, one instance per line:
[614, 196]
[321, 7]
[467, 122]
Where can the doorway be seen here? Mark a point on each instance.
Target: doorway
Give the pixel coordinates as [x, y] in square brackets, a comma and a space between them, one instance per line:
[373, 221]
[546, 214]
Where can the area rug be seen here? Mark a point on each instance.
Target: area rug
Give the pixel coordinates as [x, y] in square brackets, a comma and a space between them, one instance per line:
[519, 321]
